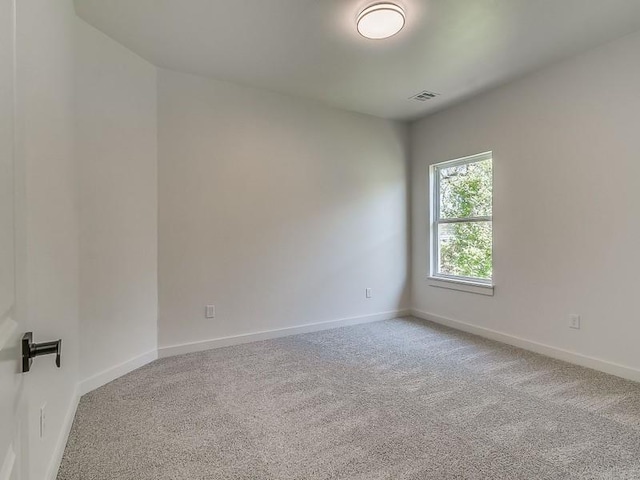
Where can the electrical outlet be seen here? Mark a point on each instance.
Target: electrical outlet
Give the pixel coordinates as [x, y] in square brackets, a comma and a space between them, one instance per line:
[368, 293]
[574, 321]
[43, 419]
[210, 311]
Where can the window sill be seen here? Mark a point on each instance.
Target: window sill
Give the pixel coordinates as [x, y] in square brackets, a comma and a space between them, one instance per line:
[461, 285]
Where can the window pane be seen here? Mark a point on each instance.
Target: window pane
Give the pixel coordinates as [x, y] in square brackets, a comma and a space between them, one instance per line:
[466, 190]
[465, 249]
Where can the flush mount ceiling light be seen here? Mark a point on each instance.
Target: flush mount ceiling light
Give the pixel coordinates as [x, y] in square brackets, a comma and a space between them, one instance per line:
[382, 20]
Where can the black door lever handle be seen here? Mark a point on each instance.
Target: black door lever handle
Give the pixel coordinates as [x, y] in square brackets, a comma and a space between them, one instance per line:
[31, 350]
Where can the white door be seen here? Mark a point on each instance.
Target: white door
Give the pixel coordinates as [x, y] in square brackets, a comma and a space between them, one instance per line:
[13, 416]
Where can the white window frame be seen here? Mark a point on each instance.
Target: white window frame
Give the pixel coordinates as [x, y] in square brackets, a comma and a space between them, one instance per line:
[456, 282]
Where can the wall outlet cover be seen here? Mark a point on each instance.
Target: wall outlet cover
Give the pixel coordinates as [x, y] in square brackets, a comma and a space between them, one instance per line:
[574, 321]
[43, 419]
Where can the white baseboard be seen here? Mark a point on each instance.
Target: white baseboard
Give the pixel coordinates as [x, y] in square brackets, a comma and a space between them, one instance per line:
[117, 371]
[554, 352]
[61, 443]
[86, 386]
[199, 346]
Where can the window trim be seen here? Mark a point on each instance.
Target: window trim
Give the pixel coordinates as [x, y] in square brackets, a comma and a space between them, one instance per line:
[456, 282]
[461, 285]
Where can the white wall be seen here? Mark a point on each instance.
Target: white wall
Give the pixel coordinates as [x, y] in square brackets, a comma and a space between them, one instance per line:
[279, 211]
[117, 156]
[47, 195]
[566, 230]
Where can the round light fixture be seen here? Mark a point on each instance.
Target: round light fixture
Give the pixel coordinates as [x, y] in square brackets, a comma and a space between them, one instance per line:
[382, 20]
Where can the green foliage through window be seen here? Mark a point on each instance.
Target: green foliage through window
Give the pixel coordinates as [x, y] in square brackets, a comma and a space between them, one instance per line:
[463, 220]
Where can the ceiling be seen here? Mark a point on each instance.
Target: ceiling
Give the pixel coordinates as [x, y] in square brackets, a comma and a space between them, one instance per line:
[310, 48]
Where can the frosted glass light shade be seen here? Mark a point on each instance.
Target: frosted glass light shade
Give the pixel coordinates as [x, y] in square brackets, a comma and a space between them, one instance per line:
[381, 20]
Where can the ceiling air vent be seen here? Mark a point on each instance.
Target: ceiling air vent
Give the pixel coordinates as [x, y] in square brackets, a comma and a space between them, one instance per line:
[424, 96]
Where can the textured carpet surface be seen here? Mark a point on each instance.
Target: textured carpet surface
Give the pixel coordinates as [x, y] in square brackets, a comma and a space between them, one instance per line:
[399, 399]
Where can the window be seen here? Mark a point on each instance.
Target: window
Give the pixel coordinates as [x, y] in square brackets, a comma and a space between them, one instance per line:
[461, 220]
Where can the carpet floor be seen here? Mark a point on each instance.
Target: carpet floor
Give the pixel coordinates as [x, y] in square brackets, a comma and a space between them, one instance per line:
[398, 399]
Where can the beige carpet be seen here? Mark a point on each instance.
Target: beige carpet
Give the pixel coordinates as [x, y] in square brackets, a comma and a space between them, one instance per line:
[400, 399]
